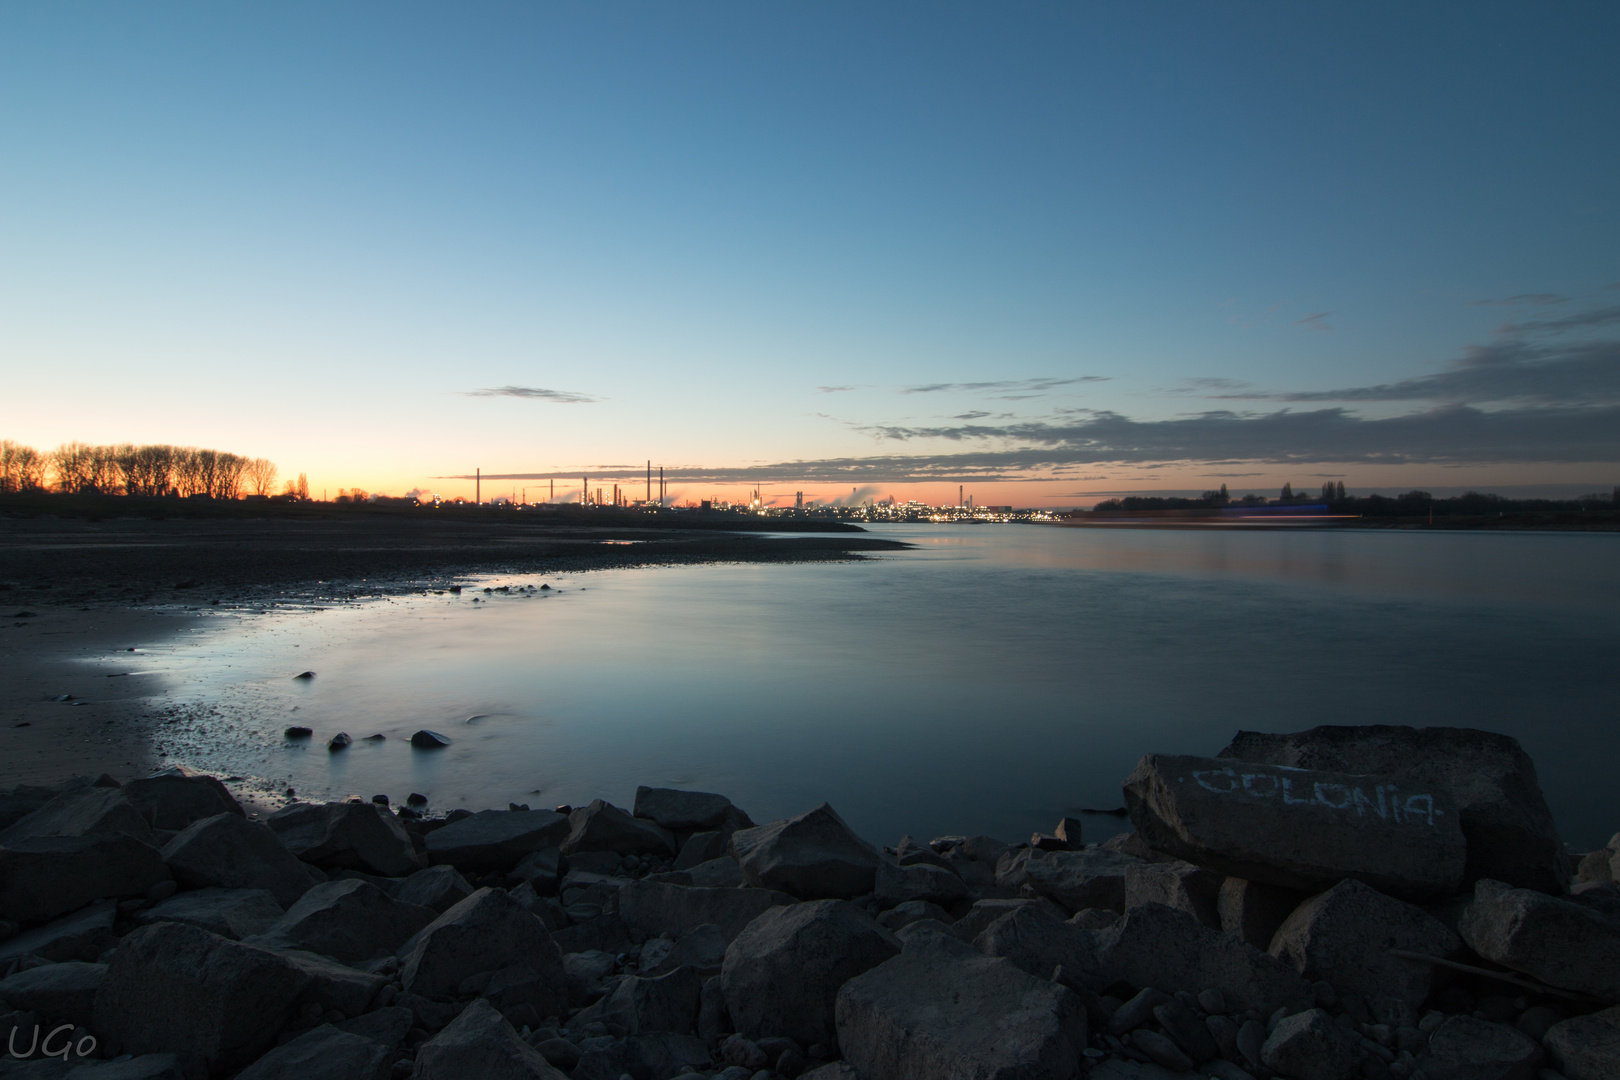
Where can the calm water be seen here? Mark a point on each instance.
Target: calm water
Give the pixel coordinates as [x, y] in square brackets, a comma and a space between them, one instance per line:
[992, 680]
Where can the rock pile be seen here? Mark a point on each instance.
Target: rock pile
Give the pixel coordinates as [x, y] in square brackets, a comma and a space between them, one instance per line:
[1336, 903]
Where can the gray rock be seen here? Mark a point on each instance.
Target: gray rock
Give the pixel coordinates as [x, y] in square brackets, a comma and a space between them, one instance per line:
[145, 1067]
[813, 856]
[1037, 941]
[721, 873]
[482, 933]
[229, 852]
[985, 912]
[1563, 943]
[495, 839]
[542, 869]
[559, 1052]
[1161, 1050]
[83, 811]
[703, 950]
[913, 852]
[438, 887]
[712, 1016]
[685, 811]
[1253, 910]
[83, 935]
[215, 1004]
[1094, 918]
[1076, 880]
[65, 991]
[941, 1009]
[700, 848]
[894, 885]
[658, 909]
[1116, 1068]
[388, 1026]
[325, 1053]
[523, 992]
[1158, 946]
[911, 911]
[23, 800]
[656, 1057]
[47, 876]
[1510, 830]
[606, 932]
[348, 920]
[347, 835]
[1304, 829]
[1178, 884]
[601, 826]
[1587, 1047]
[782, 973]
[1187, 1029]
[1137, 1011]
[230, 913]
[1311, 1046]
[1343, 937]
[480, 1045]
[175, 797]
[669, 1002]
[333, 985]
[1466, 1048]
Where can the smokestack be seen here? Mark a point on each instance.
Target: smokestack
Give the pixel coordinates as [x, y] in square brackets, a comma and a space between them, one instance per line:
[649, 480]
[478, 487]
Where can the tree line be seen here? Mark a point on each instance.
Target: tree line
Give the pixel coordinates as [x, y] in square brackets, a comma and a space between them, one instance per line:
[154, 470]
[1335, 498]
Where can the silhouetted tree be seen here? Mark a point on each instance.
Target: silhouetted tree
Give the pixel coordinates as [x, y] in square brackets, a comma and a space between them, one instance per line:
[261, 473]
[22, 468]
[1287, 492]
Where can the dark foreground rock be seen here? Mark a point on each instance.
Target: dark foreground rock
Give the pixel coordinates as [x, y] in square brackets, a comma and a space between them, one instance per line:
[480, 1045]
[495, 839]
[1561, 942]
[347, 835]
[229, 852]
[1168, 949]
[325, 1053]
[44, 877]
[813, 856]
[1587, 1047]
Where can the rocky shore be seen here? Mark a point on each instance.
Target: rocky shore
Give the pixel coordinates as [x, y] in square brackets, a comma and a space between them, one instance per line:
[1336, 903]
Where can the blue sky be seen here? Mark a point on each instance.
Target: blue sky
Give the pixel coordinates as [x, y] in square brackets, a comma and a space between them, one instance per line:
[1046, 249]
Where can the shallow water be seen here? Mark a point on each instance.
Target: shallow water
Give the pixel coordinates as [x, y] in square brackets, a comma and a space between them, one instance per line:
[990, 681]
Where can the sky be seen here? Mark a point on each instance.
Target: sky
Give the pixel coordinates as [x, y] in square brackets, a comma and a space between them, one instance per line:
[1048, 252]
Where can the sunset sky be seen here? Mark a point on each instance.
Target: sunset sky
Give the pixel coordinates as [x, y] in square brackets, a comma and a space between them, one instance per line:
[1048, 251]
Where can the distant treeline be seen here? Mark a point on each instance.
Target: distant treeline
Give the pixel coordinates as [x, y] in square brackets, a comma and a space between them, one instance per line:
[1337, 500]
[156, 470]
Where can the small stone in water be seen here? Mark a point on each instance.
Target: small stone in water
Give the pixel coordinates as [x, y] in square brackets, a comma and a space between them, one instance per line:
[340, 741]
[298, 733]
[429, 740]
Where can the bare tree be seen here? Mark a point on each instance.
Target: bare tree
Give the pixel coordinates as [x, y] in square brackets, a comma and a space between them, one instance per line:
[188, 472]
[70, 463]
[22, 468]
[261, 473]
[228, 470]
[103, 470]
[148, 470]
[303, 487]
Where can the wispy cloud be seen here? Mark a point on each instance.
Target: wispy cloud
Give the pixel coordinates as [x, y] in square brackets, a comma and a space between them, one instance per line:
[1581, 320]
[1534, 299]
[534, 393]
[1316, 321]
[1009, 389]
[834, 389]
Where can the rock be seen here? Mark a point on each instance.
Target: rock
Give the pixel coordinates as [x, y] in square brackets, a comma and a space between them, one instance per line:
[1253, 910]
[1116, 1068]
[325, 1053]
[1465, 1048]
[836, 1070]
[669, 1002]
[333, 985]
[985, 912]
[1161, 1050]
[58, 992]
[482, 933]
[782, 973]
[83, 935]
[230, 913]
[1158, 946]
[542, 870]
[215, 1004]
[606, 932]
[659, 1056]
[523, 992]
[1076, 880]
[1587, 1047]
[700, 848]
[1178, 884]
[662, 910]
[912, 852]
[429, 740]
[495, 839]
[1310, 1046]
[340, 741]
[176, 797]
[1132, 844]
[894, 885]
[601, 826]
[813, 856]
[686, 811]
[21, 801]
[480, 1045]
[1563, 943]
[438, 887]
[82, 811]
[559, 1052]
[941, 1008]
[913, 911]
[1187, 1029]
[47, 876]
[703, 950]
[348, 920]
[1037, 941]
[1343, 937]
[1297, 828]
[229, 852]
[1509, 828]
[388, 1026]
[352, 836]
[721, 873]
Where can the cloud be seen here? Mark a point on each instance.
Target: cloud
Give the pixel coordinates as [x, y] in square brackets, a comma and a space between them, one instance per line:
[1535, 299]
[1581, 320]
[1022, 388]
[834, 389]
[976, 414]
[534, 393]
[1315, 321]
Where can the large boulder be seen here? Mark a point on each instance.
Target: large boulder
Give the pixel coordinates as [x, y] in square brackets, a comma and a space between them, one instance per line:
[42, 877]
[1468, 1048]
[601, 826]
[1169, 950]
[660, 909]
[1038, 941]
[645, 1004]
[1252, 910]
[215, 1004]
[495, 839]
[813, 855]
[323, 1053]
[660, 1056]
[65, 991]
[346, 835]
[348, 920]
[438, 887]
[703, 950]
[485, 932]
[83, 811]
[1302, 829]
[688, 811]
[1563, 943]
[1309, 1045]
[1076, 880]
[230, 913]
[942, 1009]
[1176, 884]
[83, 935]
[782, 973]
[1510, 830]
[480, 1045]
[228, 851]
[175, 797]
[1586, 1047]
[332, 985]
[895, 885]
[1343, 936]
